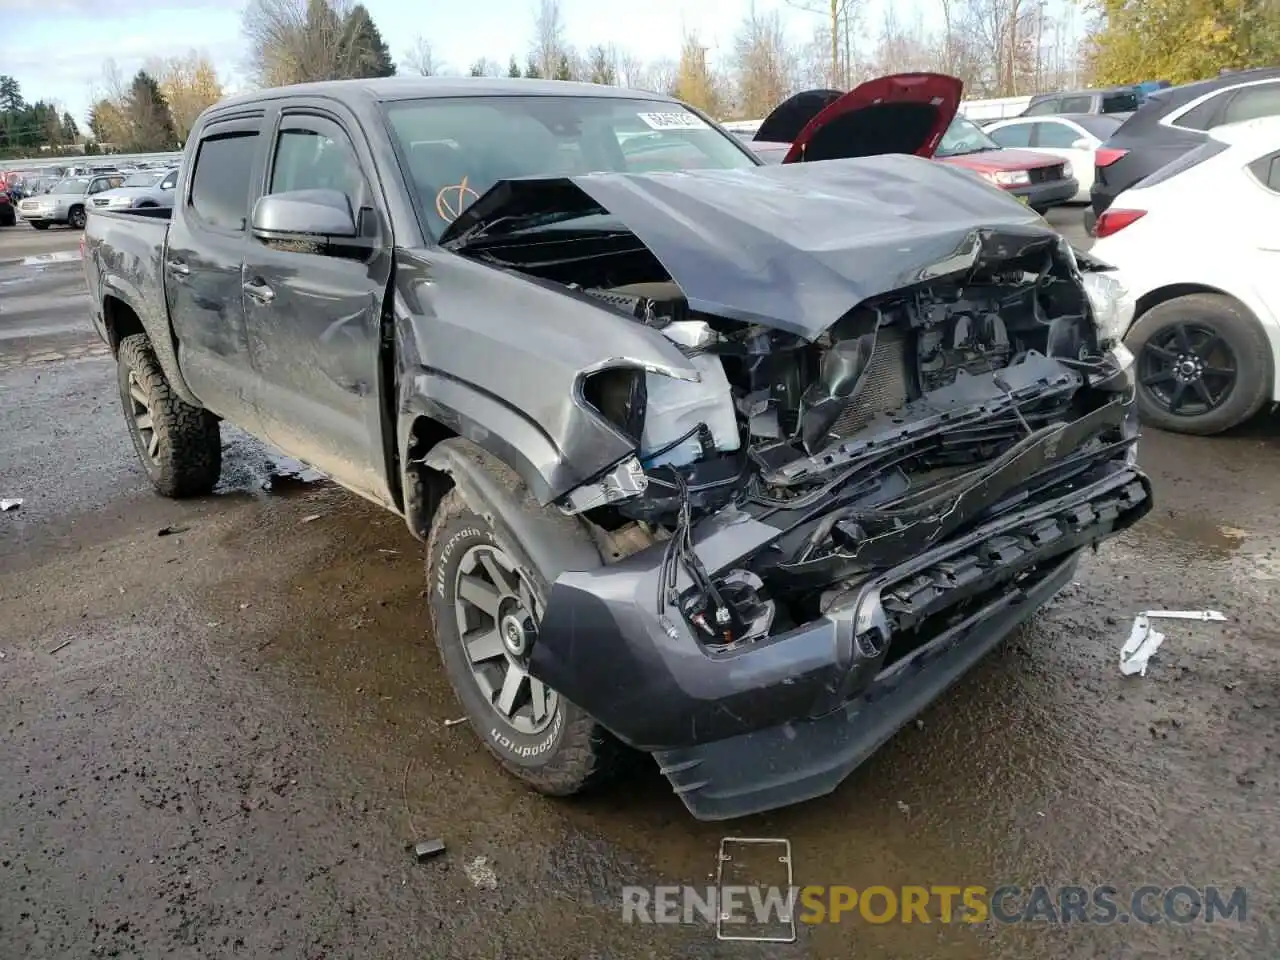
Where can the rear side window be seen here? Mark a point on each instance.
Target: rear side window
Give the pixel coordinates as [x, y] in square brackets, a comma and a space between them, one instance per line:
[1251, 103]
[1267, 170]
[1014, 135]
[1076, 105]
[1192, 158]
[1055, 135]
[1202, 116]
[1043, 108]
[1119, 102]
[220, 179]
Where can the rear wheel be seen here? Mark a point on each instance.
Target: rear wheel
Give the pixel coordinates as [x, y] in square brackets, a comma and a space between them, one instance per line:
[485, 609]
[179, 445]
[1204, 364]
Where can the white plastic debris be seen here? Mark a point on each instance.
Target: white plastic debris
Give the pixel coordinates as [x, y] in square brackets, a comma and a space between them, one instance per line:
[480, 873]
[6, 505]
[1144, 640]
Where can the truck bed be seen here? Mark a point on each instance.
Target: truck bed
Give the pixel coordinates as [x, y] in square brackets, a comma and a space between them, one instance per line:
[124, 253]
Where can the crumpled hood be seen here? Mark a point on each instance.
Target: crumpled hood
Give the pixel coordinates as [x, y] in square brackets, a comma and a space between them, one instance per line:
[793, 247]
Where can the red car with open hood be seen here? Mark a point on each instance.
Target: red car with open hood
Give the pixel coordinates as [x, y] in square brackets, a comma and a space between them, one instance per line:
[907, 113]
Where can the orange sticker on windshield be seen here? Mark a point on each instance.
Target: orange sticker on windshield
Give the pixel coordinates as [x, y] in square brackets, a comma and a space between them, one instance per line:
[451, 200]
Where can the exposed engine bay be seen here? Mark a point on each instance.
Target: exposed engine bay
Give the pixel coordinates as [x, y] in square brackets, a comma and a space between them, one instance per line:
[913, 417]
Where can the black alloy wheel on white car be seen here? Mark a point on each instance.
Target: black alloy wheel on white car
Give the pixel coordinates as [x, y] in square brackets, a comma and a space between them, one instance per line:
[1203, 364]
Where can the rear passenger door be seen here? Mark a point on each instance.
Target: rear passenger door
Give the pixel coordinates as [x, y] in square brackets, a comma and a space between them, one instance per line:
[202, 266]
[314, 310]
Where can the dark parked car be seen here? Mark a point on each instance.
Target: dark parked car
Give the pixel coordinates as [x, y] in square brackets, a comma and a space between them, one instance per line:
[1173, 121]
[738, 465]
[1113, 100]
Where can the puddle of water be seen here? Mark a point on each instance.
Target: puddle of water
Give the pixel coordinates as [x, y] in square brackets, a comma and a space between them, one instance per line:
[286, 475]
[1201, 536]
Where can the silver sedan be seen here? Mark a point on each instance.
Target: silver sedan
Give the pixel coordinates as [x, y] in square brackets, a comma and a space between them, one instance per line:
[145, 188]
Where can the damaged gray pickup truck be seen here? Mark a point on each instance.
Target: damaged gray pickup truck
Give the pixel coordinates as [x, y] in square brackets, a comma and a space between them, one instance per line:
[738, 466]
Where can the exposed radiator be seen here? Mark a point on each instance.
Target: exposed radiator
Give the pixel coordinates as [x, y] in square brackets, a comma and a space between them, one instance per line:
[884, 385]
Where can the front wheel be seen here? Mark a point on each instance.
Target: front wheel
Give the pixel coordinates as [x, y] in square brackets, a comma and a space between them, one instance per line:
[179, 445]
[485, 609]
[75, 218]
[1203, 364]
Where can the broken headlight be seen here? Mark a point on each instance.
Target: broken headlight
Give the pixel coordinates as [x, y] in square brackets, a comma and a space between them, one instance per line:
[1112, 303]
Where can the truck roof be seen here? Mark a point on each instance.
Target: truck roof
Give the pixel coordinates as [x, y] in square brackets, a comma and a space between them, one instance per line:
[380, 89]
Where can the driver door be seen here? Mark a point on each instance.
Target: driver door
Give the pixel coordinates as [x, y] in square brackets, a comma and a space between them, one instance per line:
[314, 314]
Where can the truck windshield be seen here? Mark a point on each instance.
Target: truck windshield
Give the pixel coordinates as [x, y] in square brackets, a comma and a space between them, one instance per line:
[964, 136]
[455, 149]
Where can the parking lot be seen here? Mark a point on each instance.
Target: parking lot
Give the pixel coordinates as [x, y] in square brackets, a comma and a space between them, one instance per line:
[224, 720]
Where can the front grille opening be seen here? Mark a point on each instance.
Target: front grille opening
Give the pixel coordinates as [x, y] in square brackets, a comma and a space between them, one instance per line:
[906, 642]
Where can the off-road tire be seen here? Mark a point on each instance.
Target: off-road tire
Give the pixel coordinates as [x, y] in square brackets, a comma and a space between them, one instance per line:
[1236, 325]
[581, 754]
[76, 217]
[188, 460]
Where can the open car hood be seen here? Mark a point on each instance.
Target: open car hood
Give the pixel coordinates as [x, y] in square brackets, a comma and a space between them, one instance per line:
[899, 113]
[773, 245]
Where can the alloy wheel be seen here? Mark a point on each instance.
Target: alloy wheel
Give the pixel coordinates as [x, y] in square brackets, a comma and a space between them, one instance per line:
[140, 410]
[1187, 369]
[497, 617]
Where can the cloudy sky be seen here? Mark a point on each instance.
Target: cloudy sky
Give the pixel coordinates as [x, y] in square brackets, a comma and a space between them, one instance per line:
[56, 48]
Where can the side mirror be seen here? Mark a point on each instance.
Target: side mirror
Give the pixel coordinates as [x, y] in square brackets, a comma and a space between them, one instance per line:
[1084, 143]
[304, 213]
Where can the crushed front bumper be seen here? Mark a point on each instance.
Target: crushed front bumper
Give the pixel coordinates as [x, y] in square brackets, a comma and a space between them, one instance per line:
[813, 702]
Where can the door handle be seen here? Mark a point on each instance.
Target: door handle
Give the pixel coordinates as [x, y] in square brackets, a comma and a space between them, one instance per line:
[178, 267]
[259, 291]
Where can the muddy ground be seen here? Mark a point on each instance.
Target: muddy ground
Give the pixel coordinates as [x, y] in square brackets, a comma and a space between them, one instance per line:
[217, 742]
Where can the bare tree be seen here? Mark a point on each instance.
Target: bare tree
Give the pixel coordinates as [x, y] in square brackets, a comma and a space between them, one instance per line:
[764, 64]
[659, 76]
[190, 84]
[601, 65]
[841, 18]
[630, 69]
[421, 58]
[549, 43]
[294, 41]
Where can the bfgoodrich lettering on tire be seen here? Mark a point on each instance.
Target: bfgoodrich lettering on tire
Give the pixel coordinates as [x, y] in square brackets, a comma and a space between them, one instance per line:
[485, 609]
[178, 444]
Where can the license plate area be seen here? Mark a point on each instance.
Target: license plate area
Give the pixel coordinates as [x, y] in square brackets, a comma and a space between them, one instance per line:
[754, 884]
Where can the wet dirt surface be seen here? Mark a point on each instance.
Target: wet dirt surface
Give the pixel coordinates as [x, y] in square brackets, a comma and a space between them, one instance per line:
[217, 742]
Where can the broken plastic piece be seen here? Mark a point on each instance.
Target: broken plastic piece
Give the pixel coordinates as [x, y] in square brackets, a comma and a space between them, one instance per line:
[6, 505]
[1144, 641]
[426, 849]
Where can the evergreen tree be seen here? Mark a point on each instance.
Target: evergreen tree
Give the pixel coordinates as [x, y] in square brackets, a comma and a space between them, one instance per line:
[369, 54]
[564, 70]
[70, 132]
[531, 70]
[513, 68]
[147, 112]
